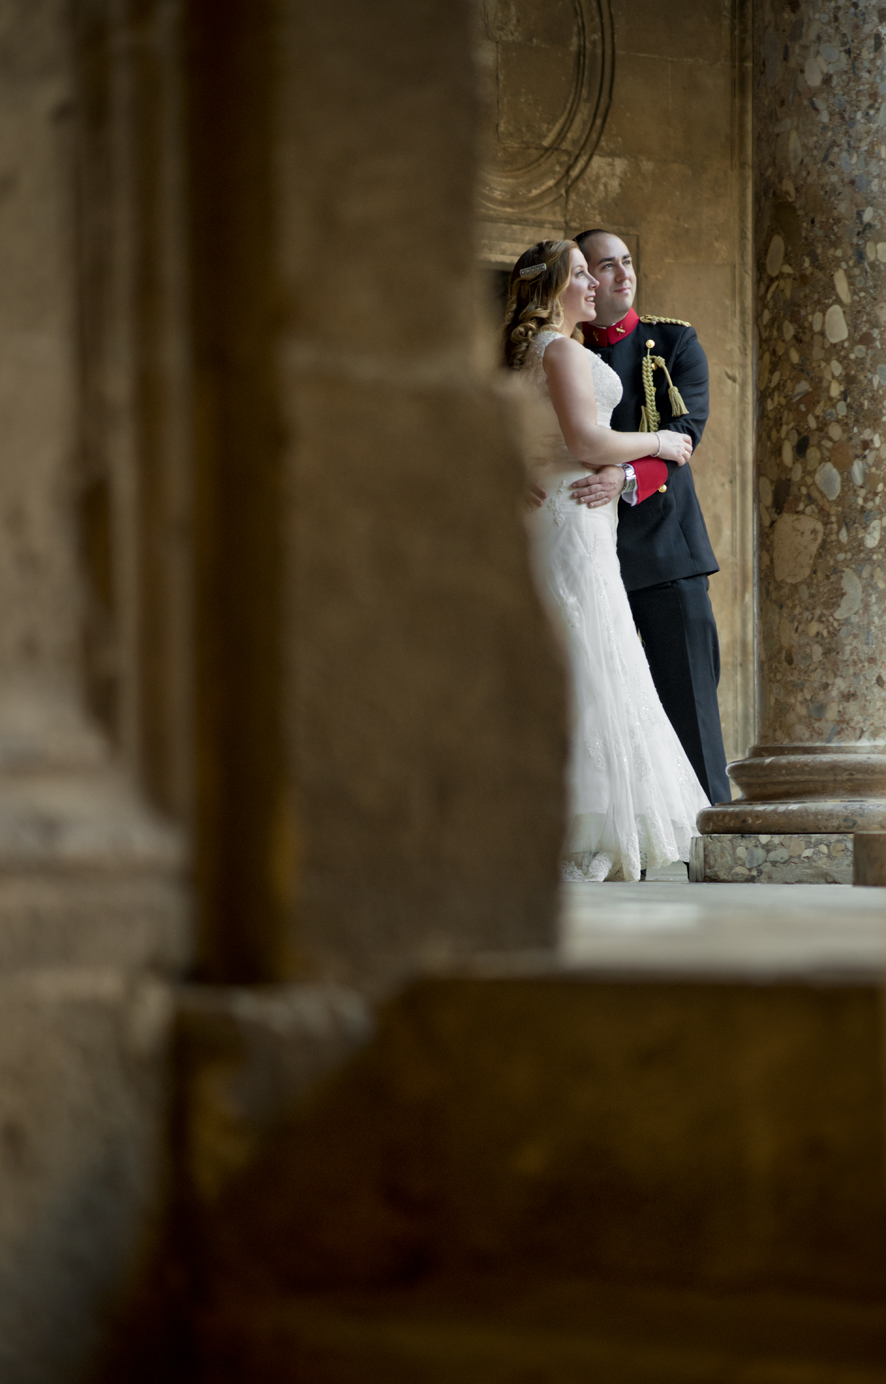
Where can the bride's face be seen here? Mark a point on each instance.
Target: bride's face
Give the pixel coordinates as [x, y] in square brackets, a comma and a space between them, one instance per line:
[579, 296]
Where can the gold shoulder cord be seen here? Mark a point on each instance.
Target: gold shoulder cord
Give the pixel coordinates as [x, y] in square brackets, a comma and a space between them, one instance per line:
[651, 318]
[650, 418]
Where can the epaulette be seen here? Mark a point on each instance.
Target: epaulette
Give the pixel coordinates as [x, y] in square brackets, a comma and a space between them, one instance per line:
[652, 318]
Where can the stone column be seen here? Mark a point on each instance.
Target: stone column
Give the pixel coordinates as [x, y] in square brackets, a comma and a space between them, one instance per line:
[818, 770]
[93, 909]
[424, 704]
[71, 813]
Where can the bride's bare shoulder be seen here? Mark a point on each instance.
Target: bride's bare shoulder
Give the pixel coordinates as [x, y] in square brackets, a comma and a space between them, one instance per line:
[564, 346]
[564, 352]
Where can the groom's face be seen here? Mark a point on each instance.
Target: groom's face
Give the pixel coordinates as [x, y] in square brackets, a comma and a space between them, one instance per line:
[609, 260]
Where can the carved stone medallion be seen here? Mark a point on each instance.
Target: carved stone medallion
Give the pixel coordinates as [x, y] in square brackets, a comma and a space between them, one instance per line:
[547, 73]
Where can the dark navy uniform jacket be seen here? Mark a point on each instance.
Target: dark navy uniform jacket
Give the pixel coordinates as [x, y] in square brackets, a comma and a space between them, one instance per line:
[664, 538]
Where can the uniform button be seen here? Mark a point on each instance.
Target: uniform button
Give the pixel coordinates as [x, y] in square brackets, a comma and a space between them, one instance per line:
[662, 489]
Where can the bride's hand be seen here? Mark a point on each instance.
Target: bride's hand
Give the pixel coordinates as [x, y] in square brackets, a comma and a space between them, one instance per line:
[675, 447]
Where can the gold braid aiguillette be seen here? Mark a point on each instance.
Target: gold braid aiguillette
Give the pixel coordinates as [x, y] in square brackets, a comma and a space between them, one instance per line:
[650, 418]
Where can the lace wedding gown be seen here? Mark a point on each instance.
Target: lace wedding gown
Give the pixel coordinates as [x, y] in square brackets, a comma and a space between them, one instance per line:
[633, 793]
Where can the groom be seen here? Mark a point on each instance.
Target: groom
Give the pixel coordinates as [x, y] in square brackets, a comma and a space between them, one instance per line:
[663, 545]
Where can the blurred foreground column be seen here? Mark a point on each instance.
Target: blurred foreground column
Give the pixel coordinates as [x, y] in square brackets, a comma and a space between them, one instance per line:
[93, 916]
[381, 731]
[263, 570]
[818, 771]
[380, 724]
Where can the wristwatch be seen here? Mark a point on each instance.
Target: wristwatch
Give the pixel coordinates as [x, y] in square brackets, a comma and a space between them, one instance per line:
[630, 487]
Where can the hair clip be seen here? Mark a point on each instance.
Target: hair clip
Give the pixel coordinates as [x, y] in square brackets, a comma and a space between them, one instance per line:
[532, 271]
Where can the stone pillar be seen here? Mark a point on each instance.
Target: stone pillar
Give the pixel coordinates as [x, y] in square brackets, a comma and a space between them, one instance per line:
[381, 724]
[93, 910]
[71, 813]
[818, 770]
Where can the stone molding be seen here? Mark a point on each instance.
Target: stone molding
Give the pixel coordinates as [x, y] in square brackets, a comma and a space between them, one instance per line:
[517, 179]
[804, 788]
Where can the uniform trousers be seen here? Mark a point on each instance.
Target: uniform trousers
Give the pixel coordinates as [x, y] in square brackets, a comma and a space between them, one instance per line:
[676, 624]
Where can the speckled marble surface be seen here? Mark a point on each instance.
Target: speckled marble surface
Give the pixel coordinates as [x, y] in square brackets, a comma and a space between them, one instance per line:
[816, 858]
[819, 88]
[820, 192]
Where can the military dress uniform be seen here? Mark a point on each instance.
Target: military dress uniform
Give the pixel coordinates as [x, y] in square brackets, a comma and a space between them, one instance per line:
[663, 545]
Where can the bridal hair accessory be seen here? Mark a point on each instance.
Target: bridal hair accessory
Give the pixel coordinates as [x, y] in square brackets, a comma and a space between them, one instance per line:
[532, 271]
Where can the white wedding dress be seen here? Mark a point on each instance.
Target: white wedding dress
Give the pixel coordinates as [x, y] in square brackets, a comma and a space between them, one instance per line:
[633, 793]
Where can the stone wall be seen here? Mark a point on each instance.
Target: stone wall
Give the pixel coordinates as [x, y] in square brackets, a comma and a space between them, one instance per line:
[670, 173]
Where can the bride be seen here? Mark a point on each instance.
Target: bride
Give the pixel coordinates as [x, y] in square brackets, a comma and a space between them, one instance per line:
[633, 793]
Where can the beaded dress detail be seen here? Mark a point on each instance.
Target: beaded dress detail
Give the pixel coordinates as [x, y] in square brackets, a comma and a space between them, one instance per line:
[633, 795]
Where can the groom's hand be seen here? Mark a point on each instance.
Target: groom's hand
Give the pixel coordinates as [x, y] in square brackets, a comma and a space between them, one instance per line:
[598, 488]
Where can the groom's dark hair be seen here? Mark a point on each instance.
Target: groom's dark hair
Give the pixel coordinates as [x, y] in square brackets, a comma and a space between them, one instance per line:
[586, 235]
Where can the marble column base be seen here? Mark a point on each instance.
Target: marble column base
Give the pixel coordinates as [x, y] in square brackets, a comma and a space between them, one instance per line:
[833, 817]
[803, 789]
[766, 858]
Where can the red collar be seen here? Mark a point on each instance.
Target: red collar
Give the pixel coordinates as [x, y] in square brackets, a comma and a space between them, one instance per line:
[601, 337]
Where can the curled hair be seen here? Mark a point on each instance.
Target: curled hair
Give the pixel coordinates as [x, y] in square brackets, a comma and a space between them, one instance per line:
[534, 303]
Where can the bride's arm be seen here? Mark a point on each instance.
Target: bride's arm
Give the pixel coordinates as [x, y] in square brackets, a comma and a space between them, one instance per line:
[571, 387]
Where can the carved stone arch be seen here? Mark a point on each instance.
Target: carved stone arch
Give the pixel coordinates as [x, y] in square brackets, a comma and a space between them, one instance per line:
[548, 73]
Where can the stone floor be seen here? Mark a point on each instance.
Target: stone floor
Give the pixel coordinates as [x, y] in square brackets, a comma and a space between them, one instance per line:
[668, 926]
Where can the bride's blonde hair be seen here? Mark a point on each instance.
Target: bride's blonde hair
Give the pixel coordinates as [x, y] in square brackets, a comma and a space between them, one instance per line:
[534, 300]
